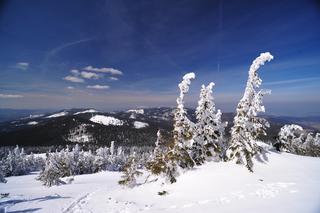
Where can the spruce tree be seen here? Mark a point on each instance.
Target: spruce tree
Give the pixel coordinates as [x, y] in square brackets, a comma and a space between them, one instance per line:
[52, 173]
[157, 164]
[209, 130]
[290, 138]
[183, 127]
[2, 177]
[130, 173]
[247, 126]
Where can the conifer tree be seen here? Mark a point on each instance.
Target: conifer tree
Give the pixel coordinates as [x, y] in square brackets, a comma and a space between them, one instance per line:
[209, 130]
[2, 179]
[183, 127]
[130, 173]
[51, 174]
[289, 137]
[247, 126]
[177, 155]
[157, 164]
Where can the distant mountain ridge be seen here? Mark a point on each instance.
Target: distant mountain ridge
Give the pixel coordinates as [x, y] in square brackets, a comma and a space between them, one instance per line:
[130, 127]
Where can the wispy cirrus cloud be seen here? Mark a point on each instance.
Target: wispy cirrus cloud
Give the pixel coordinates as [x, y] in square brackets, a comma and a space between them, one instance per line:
[111, 71]
[56, 50]
[291, 81]
[98, 87]
[10, 96]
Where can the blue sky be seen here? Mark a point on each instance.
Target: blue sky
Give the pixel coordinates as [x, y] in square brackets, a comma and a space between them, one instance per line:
[133, 53]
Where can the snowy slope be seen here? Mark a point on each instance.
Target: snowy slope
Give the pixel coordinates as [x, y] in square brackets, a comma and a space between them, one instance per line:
[86, 111]
[106, 120]
[280, 183]
[56, 115]
[139, 124]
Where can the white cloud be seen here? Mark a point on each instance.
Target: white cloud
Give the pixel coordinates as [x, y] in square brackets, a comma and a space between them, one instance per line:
[114, 78]
[112, 71]
[73, 79]
[22, 65]
[98, 86]
[75, 72]
[70, 87]
[10, 96]
[90, 75]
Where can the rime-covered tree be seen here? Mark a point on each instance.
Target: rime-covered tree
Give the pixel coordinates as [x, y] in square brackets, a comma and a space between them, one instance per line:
[2, 179]
[157, 165]
[130, 173]
[177, 154]
[15, 163]
[183, 127]
[52, 173]
[290, 138]
[209, 130]
[247, 126]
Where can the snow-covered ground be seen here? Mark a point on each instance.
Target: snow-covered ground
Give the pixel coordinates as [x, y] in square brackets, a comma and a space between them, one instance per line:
[60, 114]
[137, 111]
[139, 124]
[32, 123]
[280, 183]
[86, 111]
[106, 120]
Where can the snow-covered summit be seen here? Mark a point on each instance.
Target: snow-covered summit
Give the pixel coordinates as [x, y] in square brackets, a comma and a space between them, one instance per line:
[139, 124]
[56, 115]
[106, 120]
[86, 111]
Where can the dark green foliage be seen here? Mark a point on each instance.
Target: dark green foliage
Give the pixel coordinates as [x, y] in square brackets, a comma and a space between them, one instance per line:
[162, 193]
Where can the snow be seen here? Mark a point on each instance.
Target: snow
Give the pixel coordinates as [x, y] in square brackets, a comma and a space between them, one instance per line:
[86, 111]
[139, 124]
[106, 120]
[32, 123]
[280, 183]
[137, 111]
[60, 114]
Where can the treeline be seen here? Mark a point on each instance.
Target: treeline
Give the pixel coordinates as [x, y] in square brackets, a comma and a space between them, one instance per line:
[69, 161]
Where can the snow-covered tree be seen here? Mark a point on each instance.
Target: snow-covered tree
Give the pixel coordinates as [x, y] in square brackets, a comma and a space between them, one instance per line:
[15, 163]
[157, 165]
[309, 142]
[52, 173]
[183, 127]
[130, 173]
[209, 130]
[290, 138]
[247, 126]
[2, 179]
[178, 155]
